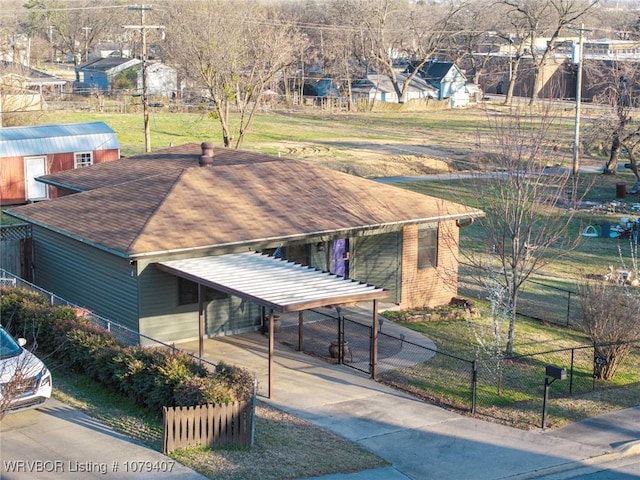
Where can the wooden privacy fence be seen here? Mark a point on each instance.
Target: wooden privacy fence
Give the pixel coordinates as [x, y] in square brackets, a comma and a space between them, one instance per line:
[213, 425]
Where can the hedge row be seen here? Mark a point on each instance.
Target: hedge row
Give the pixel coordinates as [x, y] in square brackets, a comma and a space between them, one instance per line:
[152, 377]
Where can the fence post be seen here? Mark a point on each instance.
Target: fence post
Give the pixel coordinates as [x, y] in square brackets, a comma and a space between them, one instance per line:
[571, 374]
[253, 412]
[474, 384]
[568, 307]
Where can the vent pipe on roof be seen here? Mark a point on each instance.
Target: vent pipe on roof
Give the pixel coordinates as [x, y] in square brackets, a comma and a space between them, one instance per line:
[206, 159]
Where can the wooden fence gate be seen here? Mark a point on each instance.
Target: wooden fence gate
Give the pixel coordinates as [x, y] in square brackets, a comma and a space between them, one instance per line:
[209, 425]
[16, 250]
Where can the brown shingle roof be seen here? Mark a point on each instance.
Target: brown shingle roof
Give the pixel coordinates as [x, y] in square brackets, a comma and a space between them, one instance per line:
[165, 202]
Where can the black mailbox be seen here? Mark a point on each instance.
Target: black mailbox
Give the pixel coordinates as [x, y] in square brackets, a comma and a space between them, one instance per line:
[557, 373]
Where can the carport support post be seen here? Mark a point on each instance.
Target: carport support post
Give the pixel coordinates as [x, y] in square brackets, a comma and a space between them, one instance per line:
[200, 320]
[374, 341]
[271, 338]
[300, 331]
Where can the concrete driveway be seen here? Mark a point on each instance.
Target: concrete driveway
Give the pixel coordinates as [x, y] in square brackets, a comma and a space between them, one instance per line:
[57, 441]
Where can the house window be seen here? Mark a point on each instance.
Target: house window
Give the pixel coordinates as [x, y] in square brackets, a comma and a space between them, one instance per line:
[188, 292]
[427, 247]
[83, 159]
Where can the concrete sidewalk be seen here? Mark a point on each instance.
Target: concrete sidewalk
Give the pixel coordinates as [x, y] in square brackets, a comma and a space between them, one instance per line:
[419, 440]
[58, 441]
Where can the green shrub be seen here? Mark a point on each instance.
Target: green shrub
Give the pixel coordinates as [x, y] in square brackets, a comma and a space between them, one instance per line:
[20, 311]
[239, 380]
[152, 378]
[135, 372]
[85, 347]
[203, 390]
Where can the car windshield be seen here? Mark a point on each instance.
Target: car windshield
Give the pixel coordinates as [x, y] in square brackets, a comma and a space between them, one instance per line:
[8, 346]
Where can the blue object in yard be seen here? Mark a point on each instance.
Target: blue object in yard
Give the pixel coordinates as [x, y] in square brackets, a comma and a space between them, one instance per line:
[605, 229]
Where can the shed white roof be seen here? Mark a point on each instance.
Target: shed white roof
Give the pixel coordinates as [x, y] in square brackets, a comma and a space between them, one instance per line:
[274, 283]
[59, 138]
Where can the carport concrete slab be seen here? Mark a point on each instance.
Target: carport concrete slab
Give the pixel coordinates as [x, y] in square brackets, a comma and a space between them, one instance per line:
[420, 440]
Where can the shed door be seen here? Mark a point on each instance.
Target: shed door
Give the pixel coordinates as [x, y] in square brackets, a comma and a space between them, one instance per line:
[35, 167]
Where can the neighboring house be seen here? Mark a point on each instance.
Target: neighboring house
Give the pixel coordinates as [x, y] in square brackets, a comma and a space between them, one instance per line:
[162, 80]
[144, 232]
[380, 88]
[29, 78]
[109, 49]
[22, 87]
[446, 77]
[100, 72]
[321, 87]
[29, 152]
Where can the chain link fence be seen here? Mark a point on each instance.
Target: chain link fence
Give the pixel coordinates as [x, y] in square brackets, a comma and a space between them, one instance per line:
[501, 382]
[124, 334]
[561, 306]
[426, 372]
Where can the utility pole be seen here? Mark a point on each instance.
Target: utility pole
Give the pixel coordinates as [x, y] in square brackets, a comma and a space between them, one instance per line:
[142, 28]
[51, 41]
[86, 42]
[578, 61]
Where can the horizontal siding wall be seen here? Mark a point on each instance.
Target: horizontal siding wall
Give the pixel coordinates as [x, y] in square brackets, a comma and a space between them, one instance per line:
[91, 278]
[375, 259]
[163, 319]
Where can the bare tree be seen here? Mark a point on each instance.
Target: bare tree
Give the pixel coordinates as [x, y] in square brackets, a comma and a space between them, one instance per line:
[18, 104]
[616, 128]
[546, 19]
[14, 373]
[342, 50]
[611, 318]
[234, 49]
[525, 225]
[72, 28]
[473, 41]
[20, 373]
[415, 33]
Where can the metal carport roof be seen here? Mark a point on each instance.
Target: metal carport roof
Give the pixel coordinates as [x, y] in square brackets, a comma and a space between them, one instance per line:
[272, 282]
[278, 284]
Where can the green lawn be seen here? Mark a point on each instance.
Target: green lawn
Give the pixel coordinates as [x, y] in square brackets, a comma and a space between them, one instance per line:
[379, 144]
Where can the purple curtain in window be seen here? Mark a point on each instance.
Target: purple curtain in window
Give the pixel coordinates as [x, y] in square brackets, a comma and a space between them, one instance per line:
[338, 257]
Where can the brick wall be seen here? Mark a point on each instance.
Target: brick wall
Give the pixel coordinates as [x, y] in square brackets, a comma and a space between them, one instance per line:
[429, 286]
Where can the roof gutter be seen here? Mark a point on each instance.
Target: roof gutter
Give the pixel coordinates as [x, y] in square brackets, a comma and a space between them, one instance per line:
[461, 218]
[53, 183]
[99, 246]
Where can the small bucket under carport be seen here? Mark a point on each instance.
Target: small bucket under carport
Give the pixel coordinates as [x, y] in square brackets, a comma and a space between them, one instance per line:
[621, 190]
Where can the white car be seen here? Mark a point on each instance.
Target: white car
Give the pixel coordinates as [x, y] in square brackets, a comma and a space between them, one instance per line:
[25, 382]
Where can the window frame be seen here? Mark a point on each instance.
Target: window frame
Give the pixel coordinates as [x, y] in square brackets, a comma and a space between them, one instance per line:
[188, 293]
[79, 160]
[427, 246]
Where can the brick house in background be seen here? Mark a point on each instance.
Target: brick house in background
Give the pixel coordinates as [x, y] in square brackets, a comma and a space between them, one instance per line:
[32, 151]
[134, 240]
